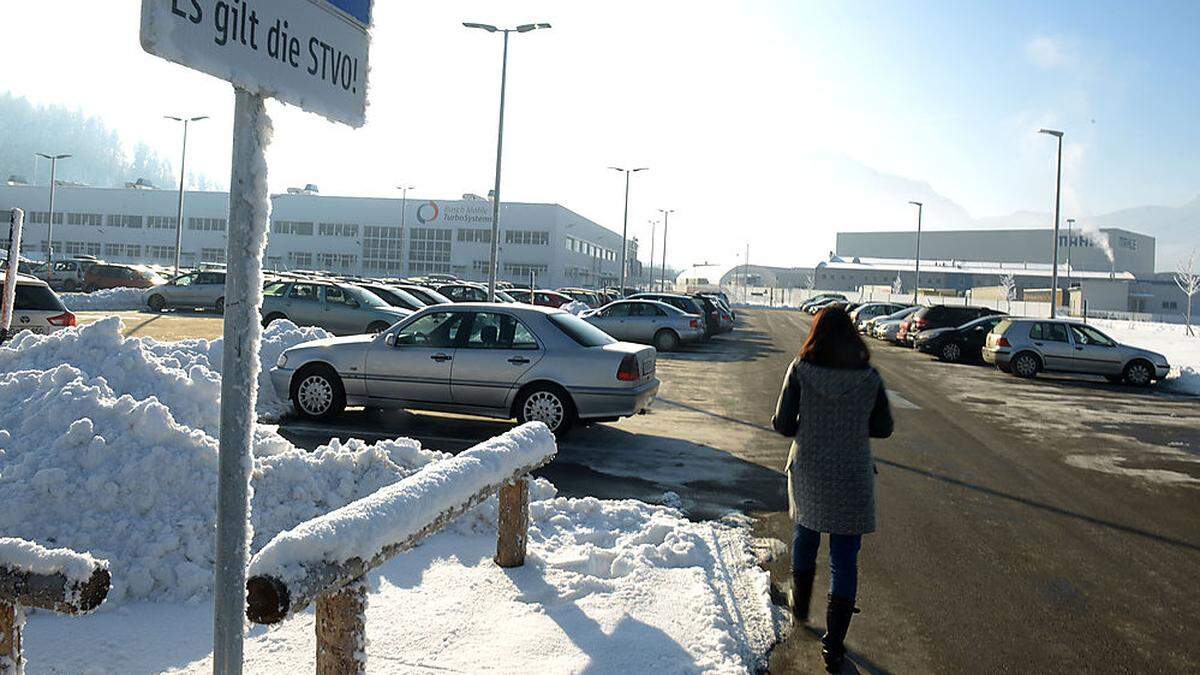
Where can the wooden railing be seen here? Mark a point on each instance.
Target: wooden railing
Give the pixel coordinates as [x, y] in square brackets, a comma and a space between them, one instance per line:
[327, 558]
[25, 585]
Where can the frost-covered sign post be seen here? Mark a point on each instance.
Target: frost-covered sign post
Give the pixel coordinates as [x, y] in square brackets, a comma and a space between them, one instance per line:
[11, 266]
[312, 54]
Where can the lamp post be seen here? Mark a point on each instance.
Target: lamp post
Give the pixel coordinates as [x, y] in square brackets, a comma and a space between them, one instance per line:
[523, 28]
[625, 223]
[1057, 202]
[182, 177]
[50, 216]
[653, 232]
[666, 223]
[917, 281]
[1070, 222]
[403, 220]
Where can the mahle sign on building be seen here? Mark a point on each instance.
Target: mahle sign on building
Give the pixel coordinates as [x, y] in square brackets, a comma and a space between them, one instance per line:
[310, 53]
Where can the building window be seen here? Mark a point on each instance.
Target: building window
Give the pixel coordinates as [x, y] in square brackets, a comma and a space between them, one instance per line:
[122, 250]
[291, 227]
[274, 262]
[206, 224]
[161, 222]
[337, 229]
[522, 271]
[475, 236]
[89, 219]
[299, 260]
[43, 217]
[481, 267]
[1170, 304]
[429, 250]
[157, 252]
[212, 255]
[342, 262]
[530, 237]
[382, 248]
[81, 248]
[123, 220]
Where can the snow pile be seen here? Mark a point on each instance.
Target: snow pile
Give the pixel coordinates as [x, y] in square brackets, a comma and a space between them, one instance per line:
[109, 299]
[1170, 340]
[33, 558]
[575, 307]
[397, 513]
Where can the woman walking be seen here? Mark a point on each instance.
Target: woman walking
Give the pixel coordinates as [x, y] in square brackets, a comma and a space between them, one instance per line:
[832, 402]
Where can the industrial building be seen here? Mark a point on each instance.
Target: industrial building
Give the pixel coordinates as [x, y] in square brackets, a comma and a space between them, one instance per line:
[368, 236]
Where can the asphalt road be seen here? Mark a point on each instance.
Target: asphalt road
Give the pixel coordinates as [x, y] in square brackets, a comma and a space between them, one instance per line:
[1024, 526]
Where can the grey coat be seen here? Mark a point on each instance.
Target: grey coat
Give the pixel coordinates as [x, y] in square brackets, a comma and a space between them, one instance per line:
[831, 413]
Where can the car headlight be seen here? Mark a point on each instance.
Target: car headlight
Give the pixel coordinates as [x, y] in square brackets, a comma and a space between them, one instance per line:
[281, 362]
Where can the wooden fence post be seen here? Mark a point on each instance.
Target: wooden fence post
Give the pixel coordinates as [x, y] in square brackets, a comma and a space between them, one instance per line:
[513, 523]
[10, 640]
[341, 630]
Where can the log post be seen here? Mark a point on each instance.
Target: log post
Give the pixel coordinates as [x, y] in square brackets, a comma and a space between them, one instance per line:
[341, 630]
[10, 639]
[513, 523]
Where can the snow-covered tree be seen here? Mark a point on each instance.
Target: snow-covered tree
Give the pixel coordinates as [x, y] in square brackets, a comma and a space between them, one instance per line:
[1189, 282]
[1009, 283]
[897, 285]
[810, 281]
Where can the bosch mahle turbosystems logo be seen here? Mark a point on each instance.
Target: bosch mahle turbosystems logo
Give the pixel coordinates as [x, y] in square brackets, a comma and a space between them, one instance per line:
[428, 212]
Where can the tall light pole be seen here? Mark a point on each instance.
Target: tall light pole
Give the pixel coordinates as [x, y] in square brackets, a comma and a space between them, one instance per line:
[625, 224]
[524, 28]
[1057, 202]
[403, 221]
[50, 216]
[666, 223]
[1070, 222]
[653, 232]
[36, 157]
[182, 177]
[917, 281]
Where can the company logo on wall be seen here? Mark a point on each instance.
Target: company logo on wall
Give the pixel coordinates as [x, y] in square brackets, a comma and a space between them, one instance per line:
[428, 212]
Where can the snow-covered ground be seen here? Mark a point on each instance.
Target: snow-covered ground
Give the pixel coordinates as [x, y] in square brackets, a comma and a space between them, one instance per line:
[1169, 339]
[109, 299]
[108, 446]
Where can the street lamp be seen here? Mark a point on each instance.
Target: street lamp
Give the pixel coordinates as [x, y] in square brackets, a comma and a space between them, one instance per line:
[653, 232]
[50, 216]
[1070, 222]
[666, 218]
[625, 225]
[1057, 202]
[523, 28]
[917, 280]
[403, 213]
[182, 176]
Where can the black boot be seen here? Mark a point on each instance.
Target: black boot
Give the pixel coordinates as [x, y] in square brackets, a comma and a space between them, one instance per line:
[802, 583]
[837, 622]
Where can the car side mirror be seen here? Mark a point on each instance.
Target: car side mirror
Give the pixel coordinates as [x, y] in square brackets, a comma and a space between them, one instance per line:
[390, 339]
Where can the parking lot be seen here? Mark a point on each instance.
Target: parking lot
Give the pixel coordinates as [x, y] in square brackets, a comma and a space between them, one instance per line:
[1012, 513]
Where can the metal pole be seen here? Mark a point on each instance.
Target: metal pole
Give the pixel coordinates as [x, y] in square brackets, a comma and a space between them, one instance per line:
[917, 280]
[495, 262]
[35, 168]
[179, 214]
[624, 235]
[249, 208]
[666, 225]
[1054, 268]
[746, 274]
[403, 227]
[653, 233]
[1070, 222]
[50, 225]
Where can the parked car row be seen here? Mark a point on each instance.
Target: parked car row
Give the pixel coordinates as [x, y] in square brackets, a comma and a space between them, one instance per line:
[1021, 346]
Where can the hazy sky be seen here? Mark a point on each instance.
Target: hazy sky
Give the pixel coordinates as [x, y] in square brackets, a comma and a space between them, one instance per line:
[773, 122]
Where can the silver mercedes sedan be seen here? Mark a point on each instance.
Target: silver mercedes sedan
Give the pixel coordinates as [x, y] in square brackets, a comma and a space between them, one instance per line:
[496, 360]
[647, 322]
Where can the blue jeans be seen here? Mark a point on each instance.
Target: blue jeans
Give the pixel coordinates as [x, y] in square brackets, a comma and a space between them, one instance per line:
[843, 559]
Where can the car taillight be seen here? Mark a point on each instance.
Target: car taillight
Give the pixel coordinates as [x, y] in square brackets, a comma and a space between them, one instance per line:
[694, 323]
[62, 320]
[629, 371]
[1003, 342]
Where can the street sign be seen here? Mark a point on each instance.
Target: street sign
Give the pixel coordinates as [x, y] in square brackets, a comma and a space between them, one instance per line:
[310, 53]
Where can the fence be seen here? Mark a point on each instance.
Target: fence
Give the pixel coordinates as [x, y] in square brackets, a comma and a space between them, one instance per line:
[31, 576]
[327, 558]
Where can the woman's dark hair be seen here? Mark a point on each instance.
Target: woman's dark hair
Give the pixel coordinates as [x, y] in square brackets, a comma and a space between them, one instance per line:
[833, 342]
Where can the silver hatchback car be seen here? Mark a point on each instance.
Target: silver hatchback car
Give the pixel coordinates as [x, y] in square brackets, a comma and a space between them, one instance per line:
[189, 291]
[647, 322]
[496, 360]
[341, 309]
[1025, 347]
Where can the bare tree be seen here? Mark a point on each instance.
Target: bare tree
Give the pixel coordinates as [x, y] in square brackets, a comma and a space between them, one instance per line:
[897, 285]
[810, 281]
[1009, 283]
[1189, 282]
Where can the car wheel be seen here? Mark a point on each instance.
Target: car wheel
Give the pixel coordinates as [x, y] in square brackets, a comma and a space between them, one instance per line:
[1139, 373]
[317, 393]
[270, 318]
[1025, 365]
[666, 341]
[951, 352]
[157, 303]
[377, 327]
[549, 405]
[219, 305]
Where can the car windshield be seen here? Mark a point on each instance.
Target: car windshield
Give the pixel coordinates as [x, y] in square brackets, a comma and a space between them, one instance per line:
[364, 297]
[580, 331]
